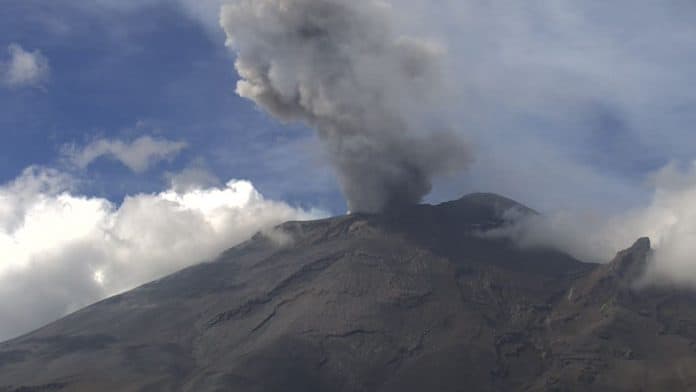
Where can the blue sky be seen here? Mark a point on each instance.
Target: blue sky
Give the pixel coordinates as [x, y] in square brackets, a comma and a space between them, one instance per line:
[145, 70]
[121, 118]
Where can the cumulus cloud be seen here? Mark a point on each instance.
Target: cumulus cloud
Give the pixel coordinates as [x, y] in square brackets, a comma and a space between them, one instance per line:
[369, 91]
[24, 68]
[138, 155]
[49, 268]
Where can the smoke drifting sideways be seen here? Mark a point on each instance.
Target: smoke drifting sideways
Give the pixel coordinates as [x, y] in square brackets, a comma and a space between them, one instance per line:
[669, 220]
[371, 94]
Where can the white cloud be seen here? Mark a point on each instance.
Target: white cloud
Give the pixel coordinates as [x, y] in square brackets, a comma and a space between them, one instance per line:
[23, 68]
[669, 220]
[587, 236]
[138, 155]
[192, 177]
[49, 268]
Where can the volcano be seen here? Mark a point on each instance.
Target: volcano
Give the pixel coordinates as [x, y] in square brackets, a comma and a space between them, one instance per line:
[410, 300]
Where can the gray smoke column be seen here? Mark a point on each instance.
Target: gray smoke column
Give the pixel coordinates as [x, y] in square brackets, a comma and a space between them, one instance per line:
[370, 93]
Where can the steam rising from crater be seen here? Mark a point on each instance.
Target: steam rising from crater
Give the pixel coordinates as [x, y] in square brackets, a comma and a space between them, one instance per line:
[341, 67]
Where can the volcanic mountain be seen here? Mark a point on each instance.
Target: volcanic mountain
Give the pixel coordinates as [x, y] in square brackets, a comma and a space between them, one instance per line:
[410, 300]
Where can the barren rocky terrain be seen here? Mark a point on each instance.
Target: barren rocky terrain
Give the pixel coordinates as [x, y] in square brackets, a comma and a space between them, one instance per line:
[414, 300]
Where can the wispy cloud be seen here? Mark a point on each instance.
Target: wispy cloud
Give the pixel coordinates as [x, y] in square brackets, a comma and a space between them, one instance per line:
[669, 220]
[24, 68]
[138, 155]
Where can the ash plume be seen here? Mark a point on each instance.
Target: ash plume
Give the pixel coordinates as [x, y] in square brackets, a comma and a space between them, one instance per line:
[341, 68]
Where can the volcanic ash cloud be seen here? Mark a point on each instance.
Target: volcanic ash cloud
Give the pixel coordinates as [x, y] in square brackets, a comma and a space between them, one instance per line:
[370, 93]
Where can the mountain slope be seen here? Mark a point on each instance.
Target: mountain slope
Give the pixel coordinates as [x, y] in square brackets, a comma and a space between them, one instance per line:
[413, 300]
[610, 332]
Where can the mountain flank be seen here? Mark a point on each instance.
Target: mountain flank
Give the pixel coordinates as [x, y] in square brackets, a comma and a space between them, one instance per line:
[408, 300]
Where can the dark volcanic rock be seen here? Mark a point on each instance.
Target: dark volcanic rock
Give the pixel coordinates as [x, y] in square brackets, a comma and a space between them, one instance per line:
[611, 333]
[411, 300]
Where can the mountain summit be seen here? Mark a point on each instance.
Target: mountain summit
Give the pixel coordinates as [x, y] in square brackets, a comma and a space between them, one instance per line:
[414, 300]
